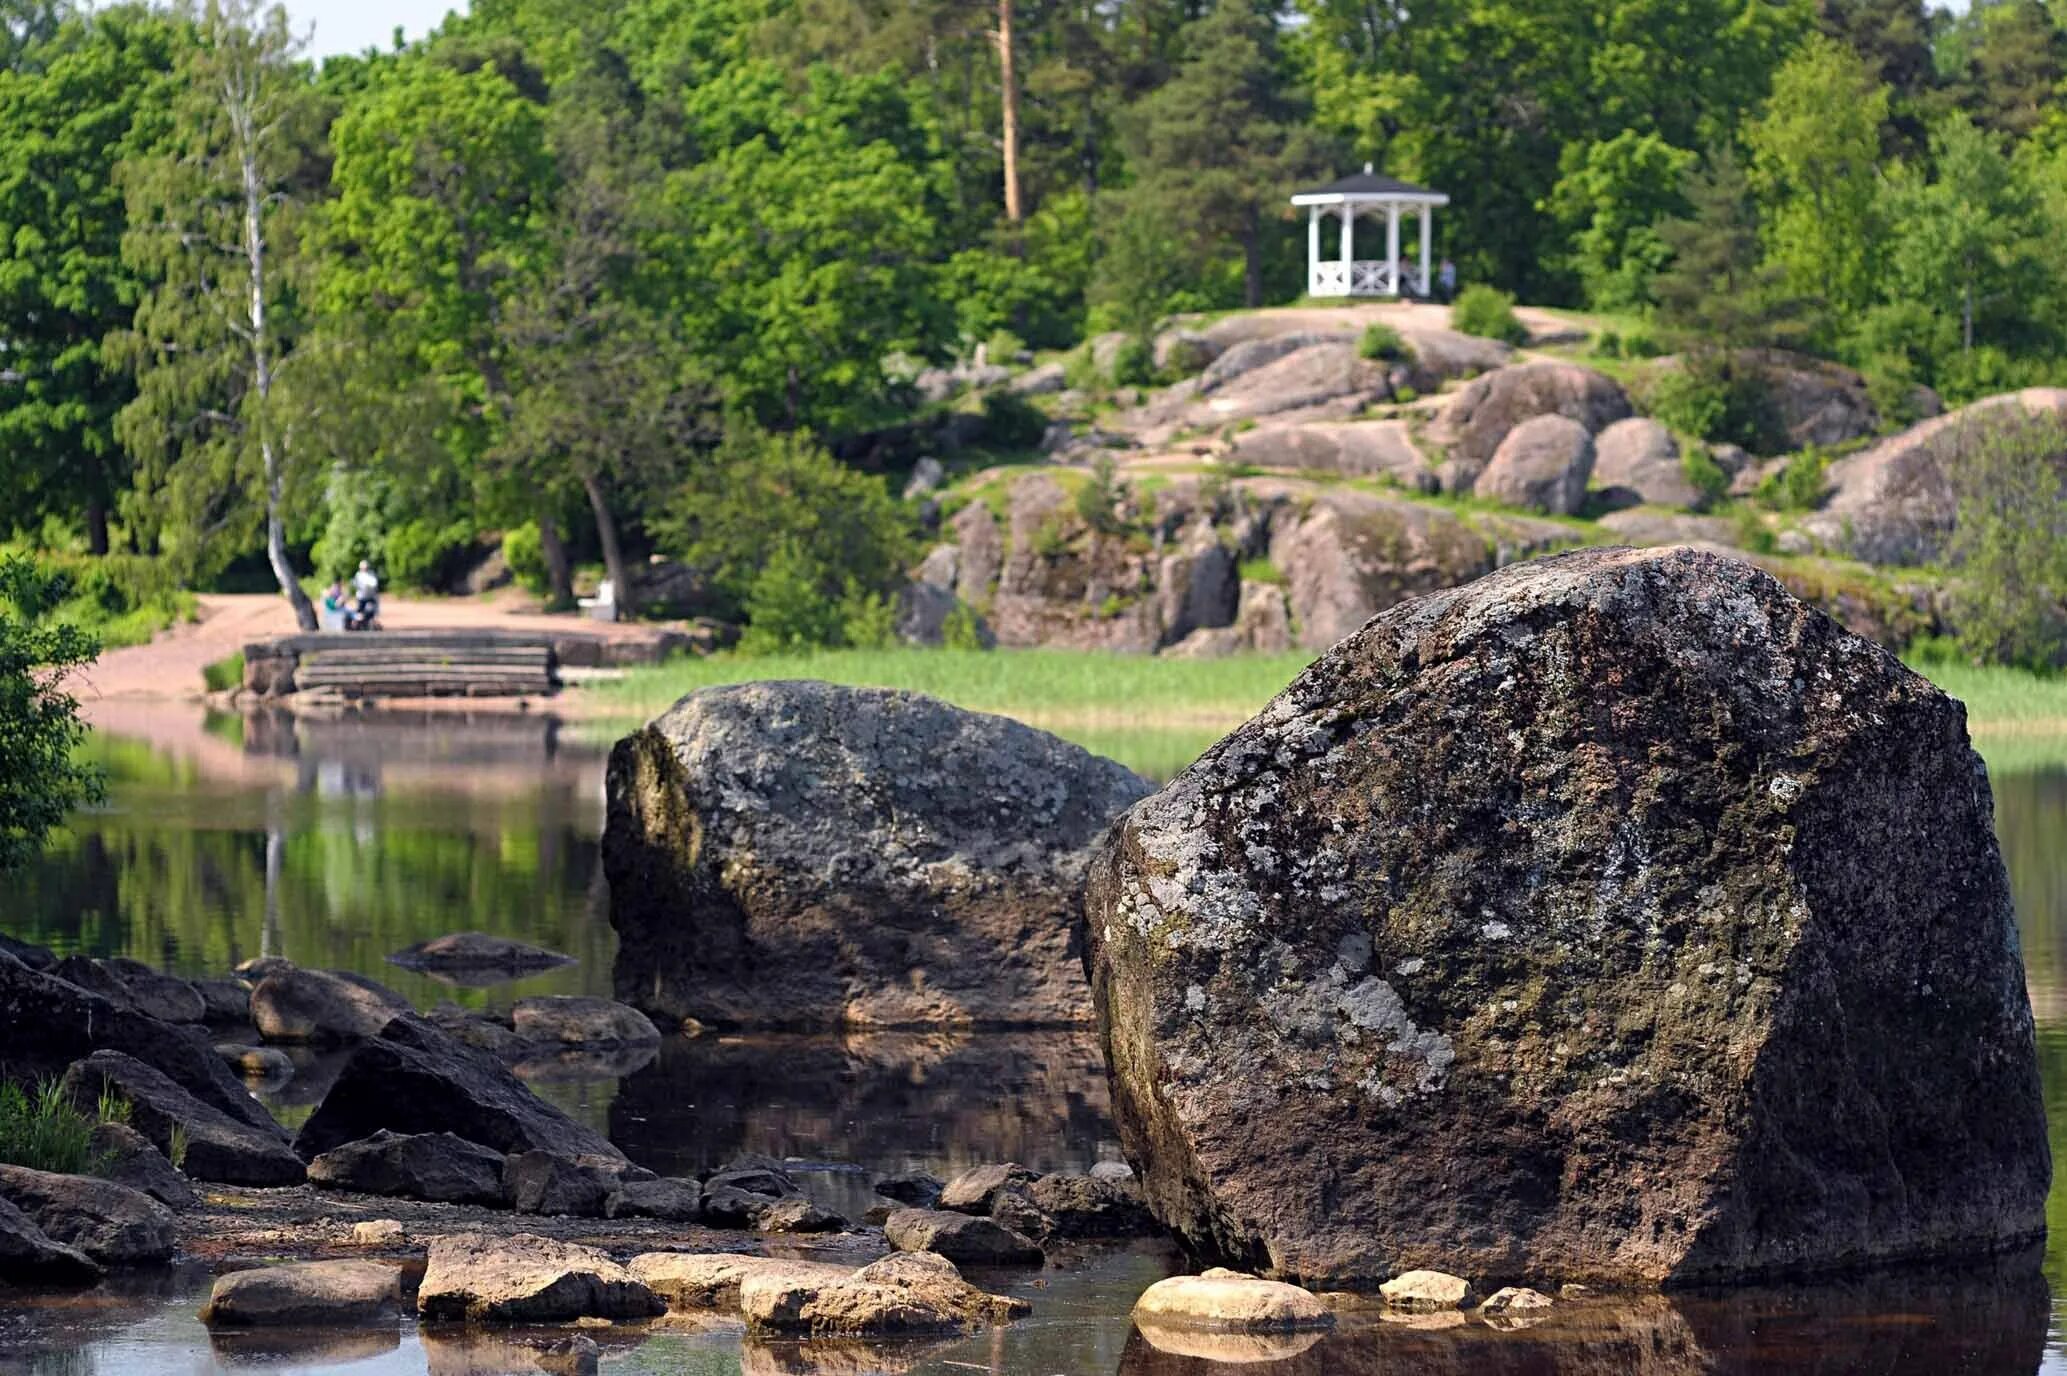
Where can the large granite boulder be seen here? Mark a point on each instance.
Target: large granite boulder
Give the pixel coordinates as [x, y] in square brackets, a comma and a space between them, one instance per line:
[136, 985]
[1355, 449]
[218, 1147]
[1894, 503]
[413, 1078]
[1475, 420]
[113, 1224]
[124, 1155]
[806, 855]
[1543, 465]
[47, 1023]
[423, 1165]
[297, 1005]
[1614, 917]
[1355, 553]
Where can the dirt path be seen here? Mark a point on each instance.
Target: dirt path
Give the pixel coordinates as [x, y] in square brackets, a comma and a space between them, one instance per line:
[169, 667]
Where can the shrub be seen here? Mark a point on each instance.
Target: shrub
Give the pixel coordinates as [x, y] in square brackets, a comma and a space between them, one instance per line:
[1403, 394]
[42, 1129]
[40, 777]
[1080, 369]
[1134, 363]
[1713, 401]
[1640, 344]
[1892, 388]
[524, 551]
[1488, 312]
[426, 554]
[1098, 501]
[1798, 486]
[828, 526]
[1608, 344]
[1003, 346]
[224, 674]
[2010, 541]
[1704, 474]
[961, 630]
[1261, 571]
[1010, 421]
[1752, 533]
[1382, 341]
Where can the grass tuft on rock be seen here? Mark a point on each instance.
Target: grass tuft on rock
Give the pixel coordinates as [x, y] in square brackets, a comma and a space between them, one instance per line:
[41, 1128]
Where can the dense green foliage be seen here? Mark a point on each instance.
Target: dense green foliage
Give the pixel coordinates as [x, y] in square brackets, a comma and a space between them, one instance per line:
[555, 265]
[2011, 543]
[40, 780]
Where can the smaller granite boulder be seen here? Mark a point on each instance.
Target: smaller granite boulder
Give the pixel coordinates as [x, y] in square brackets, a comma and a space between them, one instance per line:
[1082, 1206]
[903, 1294]
[226, 1000]
[378, 1232]
[436, 1166]
[323, 1006]
[1516, 1299]
[1224, 1299]
[29, 1256]
[798, 1216]
[305, 1294]
[113, 1224]
[1425, 1292]
[538, 1182]
[528, 1279]
[127, 1157]
[256, 1062]
[962, 1238]
[711, 1280]
[976, 1190]
[1543, 464]
[919, 1189]
[136, 986]
[673, 1200]
[1480, 416]
[218, 1147]
[1637, 461]
[573, 1020]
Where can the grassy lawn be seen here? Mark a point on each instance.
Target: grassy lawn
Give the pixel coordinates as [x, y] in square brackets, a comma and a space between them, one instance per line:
[1157, 715]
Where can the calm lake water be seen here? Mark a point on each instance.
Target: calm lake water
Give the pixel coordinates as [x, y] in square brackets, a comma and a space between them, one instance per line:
[336, 842]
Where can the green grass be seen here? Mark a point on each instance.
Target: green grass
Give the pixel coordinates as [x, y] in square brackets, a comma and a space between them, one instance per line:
[2018, 719]
[42, 1129]
[224, 674]
[1154, 715]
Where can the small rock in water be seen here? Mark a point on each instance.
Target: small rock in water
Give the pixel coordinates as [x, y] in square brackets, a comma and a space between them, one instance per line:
[1220, 1298]
[575, 1020]
[976, 1190]
[527, 1279]
[919, 1189]
[798, 1216]
[1516, 1299]
[905, 1293]
[322, 1006]
[1424, 1292]
[710, 1280]
[467, 952]
[113, 1224]
[305, 1293]
[378, 1232]
[256, 1062]
[964, 1239]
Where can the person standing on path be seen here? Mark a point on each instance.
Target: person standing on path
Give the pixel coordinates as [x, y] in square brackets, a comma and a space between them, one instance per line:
[1445, 284]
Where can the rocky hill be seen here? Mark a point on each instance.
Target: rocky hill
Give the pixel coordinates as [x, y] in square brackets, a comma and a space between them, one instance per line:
[1289, 485]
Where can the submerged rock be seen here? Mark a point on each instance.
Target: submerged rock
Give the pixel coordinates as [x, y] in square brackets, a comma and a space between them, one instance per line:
[575, 1020]
[113, 1224]
[436, 1166]
[801, 854]
[218, 1147]
[1615, 917]
[528, 1279]
[414, 1079]
[305, 1294]
[1220, 1298]
[470, 953]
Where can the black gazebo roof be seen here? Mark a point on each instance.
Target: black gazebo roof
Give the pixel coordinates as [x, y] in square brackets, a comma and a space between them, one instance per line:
[1370, 184]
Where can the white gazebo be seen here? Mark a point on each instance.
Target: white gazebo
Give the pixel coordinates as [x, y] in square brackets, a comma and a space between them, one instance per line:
[1345, 274]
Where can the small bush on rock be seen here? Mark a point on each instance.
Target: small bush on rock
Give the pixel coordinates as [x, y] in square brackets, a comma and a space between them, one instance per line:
[1134, 364]
[1487, 312]
[1381, 341]
[1010, 421]
[1704, 474]
[1098, 501]
[1799, 485]
[523, 549]
[42, 1129]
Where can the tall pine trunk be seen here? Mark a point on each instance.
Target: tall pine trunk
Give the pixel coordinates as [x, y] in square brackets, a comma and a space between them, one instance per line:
[606, 535]
[559, 569]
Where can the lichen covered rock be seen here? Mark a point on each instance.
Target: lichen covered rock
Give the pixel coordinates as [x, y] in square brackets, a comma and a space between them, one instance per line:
[801, 854]
[1615, 917]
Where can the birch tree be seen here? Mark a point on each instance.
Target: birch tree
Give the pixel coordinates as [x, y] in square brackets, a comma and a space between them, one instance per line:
[212, 221]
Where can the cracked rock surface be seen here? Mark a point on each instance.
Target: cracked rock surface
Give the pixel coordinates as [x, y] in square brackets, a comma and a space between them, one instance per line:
[1616, 917]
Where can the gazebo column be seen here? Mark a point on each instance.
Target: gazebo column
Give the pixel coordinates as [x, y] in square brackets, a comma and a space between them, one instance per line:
[1348, 248]
[1427, 284]
[1313, 249]
[1392, 245]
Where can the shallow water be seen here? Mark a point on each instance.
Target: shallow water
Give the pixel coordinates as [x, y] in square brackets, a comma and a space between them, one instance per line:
[334, 843]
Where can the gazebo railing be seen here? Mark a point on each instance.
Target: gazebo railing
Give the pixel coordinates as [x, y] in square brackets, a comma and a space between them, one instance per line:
[1365, 277]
